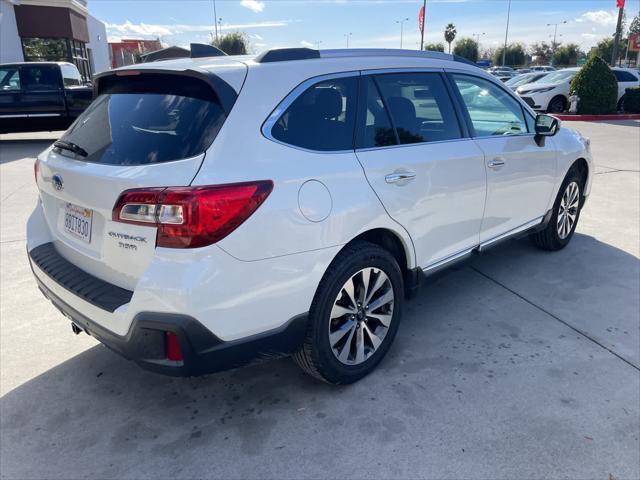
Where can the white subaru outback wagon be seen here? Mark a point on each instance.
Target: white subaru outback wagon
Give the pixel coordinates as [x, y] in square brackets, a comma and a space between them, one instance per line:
[203, 213]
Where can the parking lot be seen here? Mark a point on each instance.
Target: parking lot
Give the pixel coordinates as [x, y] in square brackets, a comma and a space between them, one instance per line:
[520, 364]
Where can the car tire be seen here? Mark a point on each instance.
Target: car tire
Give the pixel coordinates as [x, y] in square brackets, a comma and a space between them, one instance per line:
[558, 104]
[565, 215]
[621, 104]
[352, 323]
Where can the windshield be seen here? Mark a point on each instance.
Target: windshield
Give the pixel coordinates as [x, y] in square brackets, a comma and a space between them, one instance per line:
[145, 128]
[557, 77]
[521, 80]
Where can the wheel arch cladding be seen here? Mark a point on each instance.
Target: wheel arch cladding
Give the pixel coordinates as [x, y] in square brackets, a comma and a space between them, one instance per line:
[582, 167]
[392, 243]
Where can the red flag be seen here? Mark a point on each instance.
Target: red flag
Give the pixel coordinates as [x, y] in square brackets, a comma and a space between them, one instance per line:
[421, 19]
[620, 3]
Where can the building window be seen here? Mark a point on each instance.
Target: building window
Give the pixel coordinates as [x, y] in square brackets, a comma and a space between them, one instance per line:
[45, 49]
[58, 50]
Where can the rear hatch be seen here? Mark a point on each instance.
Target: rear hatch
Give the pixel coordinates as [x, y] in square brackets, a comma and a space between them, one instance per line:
[145, 129]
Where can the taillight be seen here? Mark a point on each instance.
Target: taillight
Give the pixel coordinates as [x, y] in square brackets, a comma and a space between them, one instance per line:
[190, 217]
[172, 347]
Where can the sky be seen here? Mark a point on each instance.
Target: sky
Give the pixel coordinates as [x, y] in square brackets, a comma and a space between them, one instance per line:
[365, 23]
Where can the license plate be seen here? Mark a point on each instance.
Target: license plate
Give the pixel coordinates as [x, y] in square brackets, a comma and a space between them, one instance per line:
[77, 221]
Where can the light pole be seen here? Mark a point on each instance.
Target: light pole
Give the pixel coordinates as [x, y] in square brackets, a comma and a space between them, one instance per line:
[215, 16]
[477, 36]
[506, 36]
[347, 36]
[555, 36]
[318, 44]
[220, 25]
[401, 22]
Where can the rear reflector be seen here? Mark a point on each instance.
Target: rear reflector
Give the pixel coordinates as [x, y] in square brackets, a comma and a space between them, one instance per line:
[173, 347]
[190, 217]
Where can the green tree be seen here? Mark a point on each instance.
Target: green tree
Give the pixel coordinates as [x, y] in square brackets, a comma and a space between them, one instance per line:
[567, 55]
[235, 43]
[450, 34]
[467, 48]
[435, 47]
[596, 86]
[516, 55]
[635, 25]
[543, 53]
[604, 48]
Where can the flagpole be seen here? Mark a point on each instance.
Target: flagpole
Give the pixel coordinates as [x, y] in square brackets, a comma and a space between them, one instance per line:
[614, 54]
[424, 20]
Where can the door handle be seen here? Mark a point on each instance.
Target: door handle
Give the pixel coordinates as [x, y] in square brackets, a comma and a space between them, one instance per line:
[496, 163]
[402, 177]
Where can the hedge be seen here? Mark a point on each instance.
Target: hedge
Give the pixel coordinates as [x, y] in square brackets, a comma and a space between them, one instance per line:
[632, 100]
[597, 87]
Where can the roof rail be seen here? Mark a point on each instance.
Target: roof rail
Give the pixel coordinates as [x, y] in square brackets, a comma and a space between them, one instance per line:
[383, 52]
[200, 50]
[287, 54]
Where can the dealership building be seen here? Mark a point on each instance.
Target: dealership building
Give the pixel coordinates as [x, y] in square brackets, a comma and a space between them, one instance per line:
[53, 30]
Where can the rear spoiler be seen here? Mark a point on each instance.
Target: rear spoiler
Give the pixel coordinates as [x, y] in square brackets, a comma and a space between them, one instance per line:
[225, 93]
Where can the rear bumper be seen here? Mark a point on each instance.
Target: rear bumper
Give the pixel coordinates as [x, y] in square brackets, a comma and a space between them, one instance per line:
[202, 351]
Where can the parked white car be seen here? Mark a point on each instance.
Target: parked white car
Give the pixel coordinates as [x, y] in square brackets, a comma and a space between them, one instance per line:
[524, 79]
[203, 213]
[551, 93]
[543, 68]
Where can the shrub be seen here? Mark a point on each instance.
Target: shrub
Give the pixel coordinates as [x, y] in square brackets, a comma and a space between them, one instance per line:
[234, 43]
[597, 88]
[632, 100]
[467, 48]
[434, 47]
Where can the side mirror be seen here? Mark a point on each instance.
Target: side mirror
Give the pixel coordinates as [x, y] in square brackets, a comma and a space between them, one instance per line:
[546, 125]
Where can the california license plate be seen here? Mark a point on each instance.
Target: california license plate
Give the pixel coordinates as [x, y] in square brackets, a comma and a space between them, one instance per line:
[77, 221]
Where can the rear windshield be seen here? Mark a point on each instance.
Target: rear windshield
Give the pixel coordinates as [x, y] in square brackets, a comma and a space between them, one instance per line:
[131, 124]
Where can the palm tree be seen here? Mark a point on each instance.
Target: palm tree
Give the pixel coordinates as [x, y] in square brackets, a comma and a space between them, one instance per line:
[450, 34]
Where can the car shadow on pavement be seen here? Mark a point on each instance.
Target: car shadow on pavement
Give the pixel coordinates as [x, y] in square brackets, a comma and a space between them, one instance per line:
[12, 150]
[99, 415]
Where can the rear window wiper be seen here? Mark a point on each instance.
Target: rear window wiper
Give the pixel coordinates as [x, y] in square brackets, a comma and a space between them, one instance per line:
[72, 147]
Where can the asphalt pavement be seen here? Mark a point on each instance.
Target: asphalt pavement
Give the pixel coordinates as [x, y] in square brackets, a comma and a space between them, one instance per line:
[521, 364]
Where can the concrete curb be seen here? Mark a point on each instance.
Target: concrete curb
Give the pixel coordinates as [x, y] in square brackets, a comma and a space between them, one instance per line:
[594, 118]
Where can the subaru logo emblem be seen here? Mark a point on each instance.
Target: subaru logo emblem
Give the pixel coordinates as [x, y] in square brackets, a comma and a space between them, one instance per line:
[57, 182]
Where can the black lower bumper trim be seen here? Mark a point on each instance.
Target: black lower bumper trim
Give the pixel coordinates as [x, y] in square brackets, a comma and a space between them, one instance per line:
[97, 292]
[202, 351]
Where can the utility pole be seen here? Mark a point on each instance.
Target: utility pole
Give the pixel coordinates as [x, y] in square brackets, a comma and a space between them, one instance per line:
[616, 41]
[401, 22]
[506, 36]
[347, 35]
[215, 19]
[424, 22]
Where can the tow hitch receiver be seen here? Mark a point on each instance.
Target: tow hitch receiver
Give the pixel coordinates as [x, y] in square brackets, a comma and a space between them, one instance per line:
[76, 329]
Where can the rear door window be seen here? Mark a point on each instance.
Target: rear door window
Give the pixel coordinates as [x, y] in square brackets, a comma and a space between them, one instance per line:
[419, 107]
[40, 78]
[146, 121]
[322, 118]
[623, 76]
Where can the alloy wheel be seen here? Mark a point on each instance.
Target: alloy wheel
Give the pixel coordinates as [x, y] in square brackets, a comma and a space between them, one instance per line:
[568, 210]
[361, 316]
